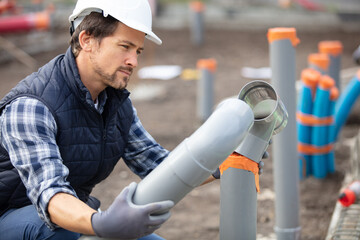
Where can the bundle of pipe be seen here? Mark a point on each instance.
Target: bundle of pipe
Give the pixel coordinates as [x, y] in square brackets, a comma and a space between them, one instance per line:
[334, 50]
[315, 123]
[345, 103]
[25, 22]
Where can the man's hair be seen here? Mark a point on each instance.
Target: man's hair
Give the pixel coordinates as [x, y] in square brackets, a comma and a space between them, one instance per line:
[94, 24]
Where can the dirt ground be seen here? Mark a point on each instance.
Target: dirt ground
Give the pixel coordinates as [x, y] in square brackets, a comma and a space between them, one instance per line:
[171, 116]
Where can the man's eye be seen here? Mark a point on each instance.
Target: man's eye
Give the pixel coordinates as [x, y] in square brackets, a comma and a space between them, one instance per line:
[125, 46]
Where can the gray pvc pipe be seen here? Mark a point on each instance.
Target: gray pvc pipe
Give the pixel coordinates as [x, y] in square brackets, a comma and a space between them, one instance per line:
[205, 94]
[333, 49]
[198, 156]
[284, 154]
[270, 118]
[238, 206]
[334, 69]
[197, 27]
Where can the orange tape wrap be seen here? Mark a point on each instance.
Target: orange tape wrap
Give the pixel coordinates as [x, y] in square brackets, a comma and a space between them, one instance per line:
[313, 150]
[311, 120]
[238, 161]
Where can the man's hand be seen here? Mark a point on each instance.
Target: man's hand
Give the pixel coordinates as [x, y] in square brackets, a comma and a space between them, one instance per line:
[125, 220]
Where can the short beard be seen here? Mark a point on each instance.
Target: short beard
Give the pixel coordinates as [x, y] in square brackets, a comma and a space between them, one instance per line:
[110, 79]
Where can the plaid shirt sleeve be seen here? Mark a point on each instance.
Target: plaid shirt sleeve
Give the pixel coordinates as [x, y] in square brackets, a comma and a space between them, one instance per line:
[142, 153]
[28, 132]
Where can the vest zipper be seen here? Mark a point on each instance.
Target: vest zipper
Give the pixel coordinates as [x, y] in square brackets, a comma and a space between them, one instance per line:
[102, 139]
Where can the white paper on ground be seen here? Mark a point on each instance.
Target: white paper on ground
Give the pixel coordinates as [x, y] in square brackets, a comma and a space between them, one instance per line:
[162, 72]
[256, 73]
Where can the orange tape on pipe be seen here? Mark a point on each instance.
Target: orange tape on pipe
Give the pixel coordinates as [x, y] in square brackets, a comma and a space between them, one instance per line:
[313, 150]
[311, 120]
[238, 161]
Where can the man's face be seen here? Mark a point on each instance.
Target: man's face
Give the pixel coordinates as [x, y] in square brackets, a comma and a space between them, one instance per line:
[115, 57]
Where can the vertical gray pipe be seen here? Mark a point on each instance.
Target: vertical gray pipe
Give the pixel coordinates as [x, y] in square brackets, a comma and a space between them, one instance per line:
[334, 50]
[238, 206]
[282, 43]
[334, 69]
[205, 88]
[197, 23]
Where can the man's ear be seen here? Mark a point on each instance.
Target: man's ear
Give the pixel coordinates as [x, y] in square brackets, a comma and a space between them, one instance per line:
[86, 41]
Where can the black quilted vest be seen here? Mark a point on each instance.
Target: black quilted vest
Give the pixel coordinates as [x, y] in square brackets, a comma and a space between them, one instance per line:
[90, 143]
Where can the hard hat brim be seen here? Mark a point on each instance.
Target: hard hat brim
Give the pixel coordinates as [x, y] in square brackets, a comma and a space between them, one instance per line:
[152, 37]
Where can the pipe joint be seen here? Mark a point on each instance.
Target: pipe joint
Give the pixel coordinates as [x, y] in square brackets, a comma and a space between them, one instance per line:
[270, 118]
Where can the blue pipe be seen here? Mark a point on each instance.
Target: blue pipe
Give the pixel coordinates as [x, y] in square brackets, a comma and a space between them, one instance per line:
[319, 134]
[309, 79]
[345, 103]
[334, 94]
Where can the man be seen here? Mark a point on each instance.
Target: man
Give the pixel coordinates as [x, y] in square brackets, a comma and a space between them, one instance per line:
[63, 129]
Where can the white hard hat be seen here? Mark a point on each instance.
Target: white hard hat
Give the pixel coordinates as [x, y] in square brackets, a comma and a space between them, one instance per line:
[133, 13]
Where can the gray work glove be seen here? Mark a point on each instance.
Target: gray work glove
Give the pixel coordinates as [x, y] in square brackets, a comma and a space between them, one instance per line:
[125, 220]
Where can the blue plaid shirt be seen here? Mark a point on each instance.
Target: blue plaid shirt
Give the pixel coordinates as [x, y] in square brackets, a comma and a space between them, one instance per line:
[28, 132]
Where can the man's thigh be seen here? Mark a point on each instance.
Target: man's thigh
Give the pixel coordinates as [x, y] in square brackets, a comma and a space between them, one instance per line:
[24, 223]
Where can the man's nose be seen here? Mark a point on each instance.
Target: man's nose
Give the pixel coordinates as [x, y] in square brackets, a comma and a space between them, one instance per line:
[132, 60]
